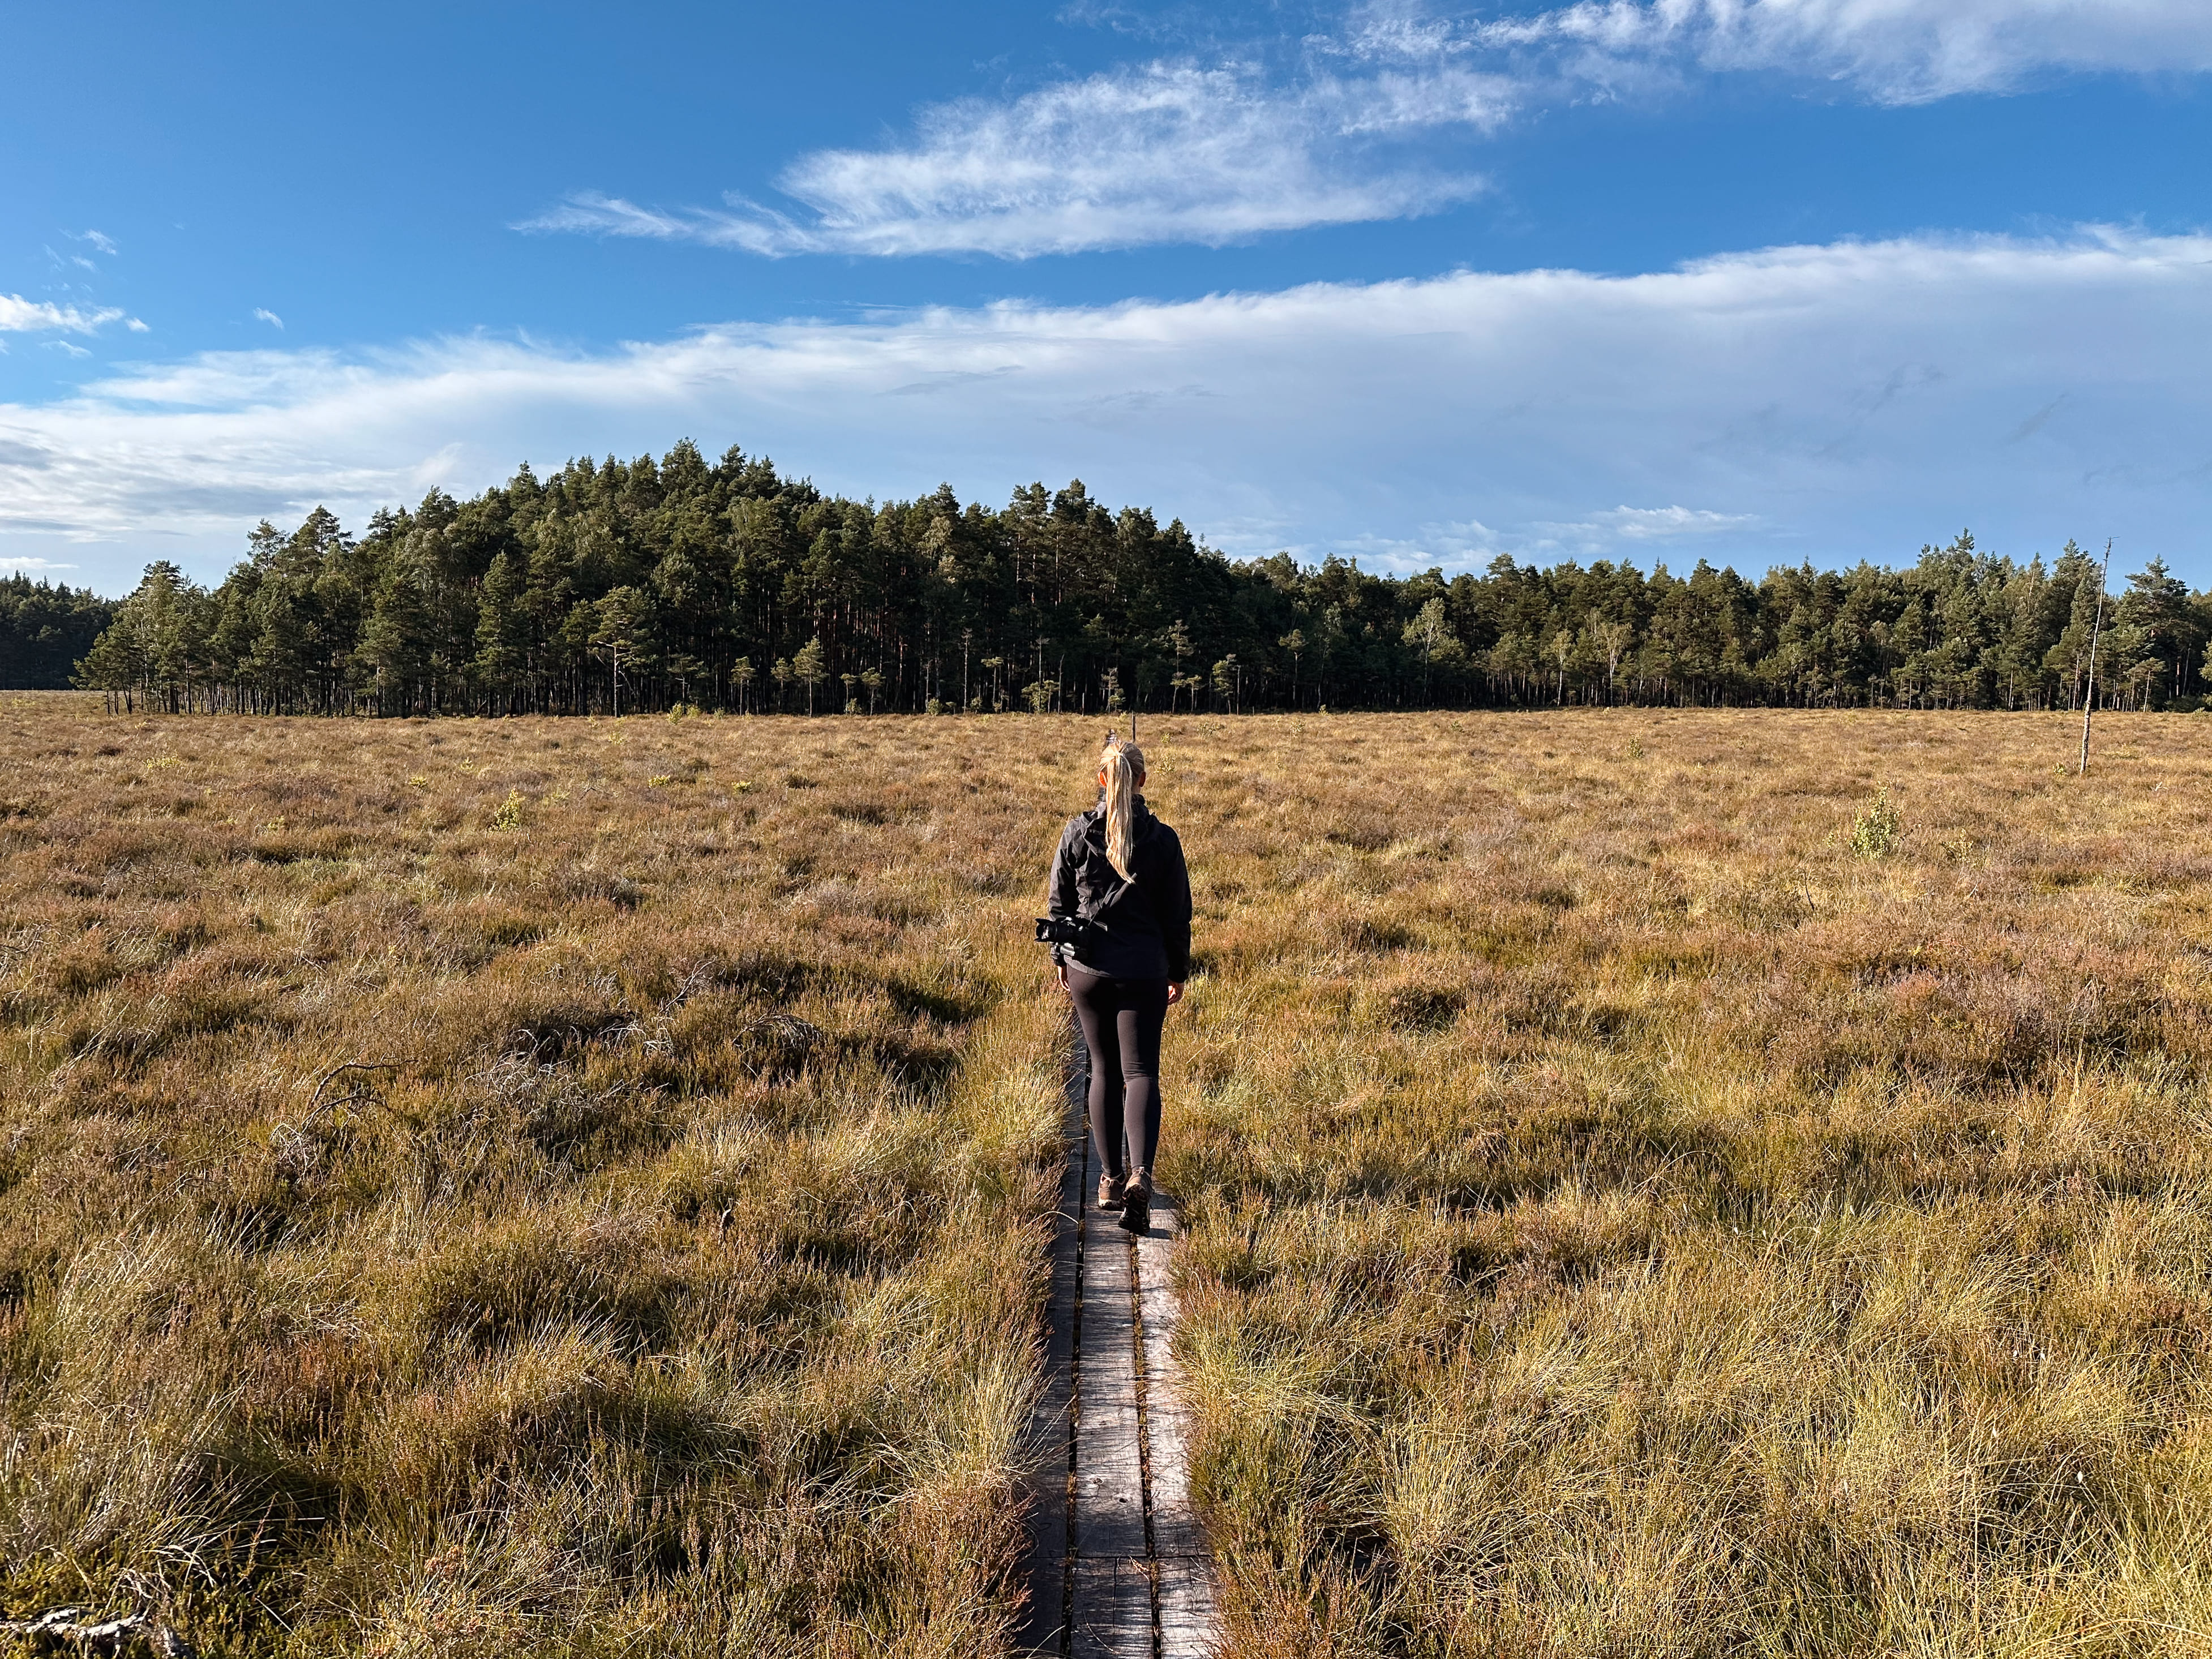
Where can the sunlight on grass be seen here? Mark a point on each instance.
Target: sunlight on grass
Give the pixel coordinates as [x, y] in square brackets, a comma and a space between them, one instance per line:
[661, 1279]
[1661, 1183]
[1698, 1184]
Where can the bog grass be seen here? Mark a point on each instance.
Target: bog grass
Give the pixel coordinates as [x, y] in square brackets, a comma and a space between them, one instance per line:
[531, 1187]
[1689, 1184]
[1661, 1183]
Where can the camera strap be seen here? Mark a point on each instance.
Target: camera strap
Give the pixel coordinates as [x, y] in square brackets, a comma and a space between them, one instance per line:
[1127, 882]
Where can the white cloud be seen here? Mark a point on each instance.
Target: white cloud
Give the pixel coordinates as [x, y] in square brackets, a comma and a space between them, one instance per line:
[1896, 51]
[1465, 544]
[262, 315]
[1639, 524]
[32, 564]
[1163, 152]
[22, 316]
[1616, 530]
[66, 348]
[1220, 152]
[1825, 402]
[104, 244]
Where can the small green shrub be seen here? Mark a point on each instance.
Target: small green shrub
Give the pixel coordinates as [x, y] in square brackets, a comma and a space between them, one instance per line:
[1879, 828]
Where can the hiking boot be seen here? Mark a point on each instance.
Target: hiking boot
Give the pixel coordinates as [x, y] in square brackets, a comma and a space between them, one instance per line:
[1137, 1202]
[1111, 1190]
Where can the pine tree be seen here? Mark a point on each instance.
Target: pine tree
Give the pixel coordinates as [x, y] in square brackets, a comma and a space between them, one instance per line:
[503, 631]
[810, 666]
[395, 647]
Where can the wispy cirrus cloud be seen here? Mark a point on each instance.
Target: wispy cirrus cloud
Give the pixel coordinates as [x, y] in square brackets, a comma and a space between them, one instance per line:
[1893, 51]
[22, 316]
[1368, 122]
[1161, 152]
[1831, 402]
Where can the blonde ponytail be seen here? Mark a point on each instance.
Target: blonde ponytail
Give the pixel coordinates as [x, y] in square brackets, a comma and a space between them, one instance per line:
[1123, 764]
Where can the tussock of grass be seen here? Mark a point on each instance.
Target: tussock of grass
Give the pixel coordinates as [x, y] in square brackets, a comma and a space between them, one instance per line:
[663, 1282]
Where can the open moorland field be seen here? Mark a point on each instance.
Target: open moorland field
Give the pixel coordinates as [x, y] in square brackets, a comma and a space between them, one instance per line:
[1627, 1216]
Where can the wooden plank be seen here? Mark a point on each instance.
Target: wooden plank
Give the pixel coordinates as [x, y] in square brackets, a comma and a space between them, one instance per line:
[1189, 1622]
[1052, 1428]
[1174, 1530]
[1113, 1612]
[1043, 1625]
[1125, 1573]
[1110, 1480]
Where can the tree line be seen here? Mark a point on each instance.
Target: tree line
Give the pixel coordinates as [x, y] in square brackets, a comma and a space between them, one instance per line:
[679, 583]
[46, 629]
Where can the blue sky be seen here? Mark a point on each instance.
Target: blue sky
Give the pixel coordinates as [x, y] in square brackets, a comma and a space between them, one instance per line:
[1752, 280]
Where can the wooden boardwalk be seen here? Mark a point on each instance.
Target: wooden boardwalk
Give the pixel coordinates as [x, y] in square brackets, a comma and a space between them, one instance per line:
[1116, 1567]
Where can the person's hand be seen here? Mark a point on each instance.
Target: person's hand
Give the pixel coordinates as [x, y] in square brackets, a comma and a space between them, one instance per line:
[1175, 994]
[1061, 969]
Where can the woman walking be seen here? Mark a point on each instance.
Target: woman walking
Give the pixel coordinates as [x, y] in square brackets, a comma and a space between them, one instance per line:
[1120, 870]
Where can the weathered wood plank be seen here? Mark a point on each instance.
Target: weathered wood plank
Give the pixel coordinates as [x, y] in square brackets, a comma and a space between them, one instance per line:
[1174, 1530]
[1189, 1618]
[1190, 1622]
[1113, 1610]
[1110, 1481]
[1118, 1568]
[1113, 1614]
[1189, 1625]
[1043, 1625]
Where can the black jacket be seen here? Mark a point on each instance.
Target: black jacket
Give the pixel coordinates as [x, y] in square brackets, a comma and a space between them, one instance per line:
[1144, 932]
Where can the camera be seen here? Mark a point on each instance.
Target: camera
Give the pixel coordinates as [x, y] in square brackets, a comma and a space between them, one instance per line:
[1064, 930]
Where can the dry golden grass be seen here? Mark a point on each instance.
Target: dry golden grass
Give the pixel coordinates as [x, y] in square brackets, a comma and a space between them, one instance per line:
[1627, 1220]
[666, 1286]
[1630, 1222]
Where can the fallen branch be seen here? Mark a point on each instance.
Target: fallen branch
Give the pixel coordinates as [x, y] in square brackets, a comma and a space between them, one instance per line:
[340, 1070]
[317, 1106]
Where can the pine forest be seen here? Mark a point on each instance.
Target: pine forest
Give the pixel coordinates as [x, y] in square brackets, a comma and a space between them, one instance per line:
[679, 583]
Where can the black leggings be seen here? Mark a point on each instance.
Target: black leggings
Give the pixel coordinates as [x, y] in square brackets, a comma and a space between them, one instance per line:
[1120, 1020]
